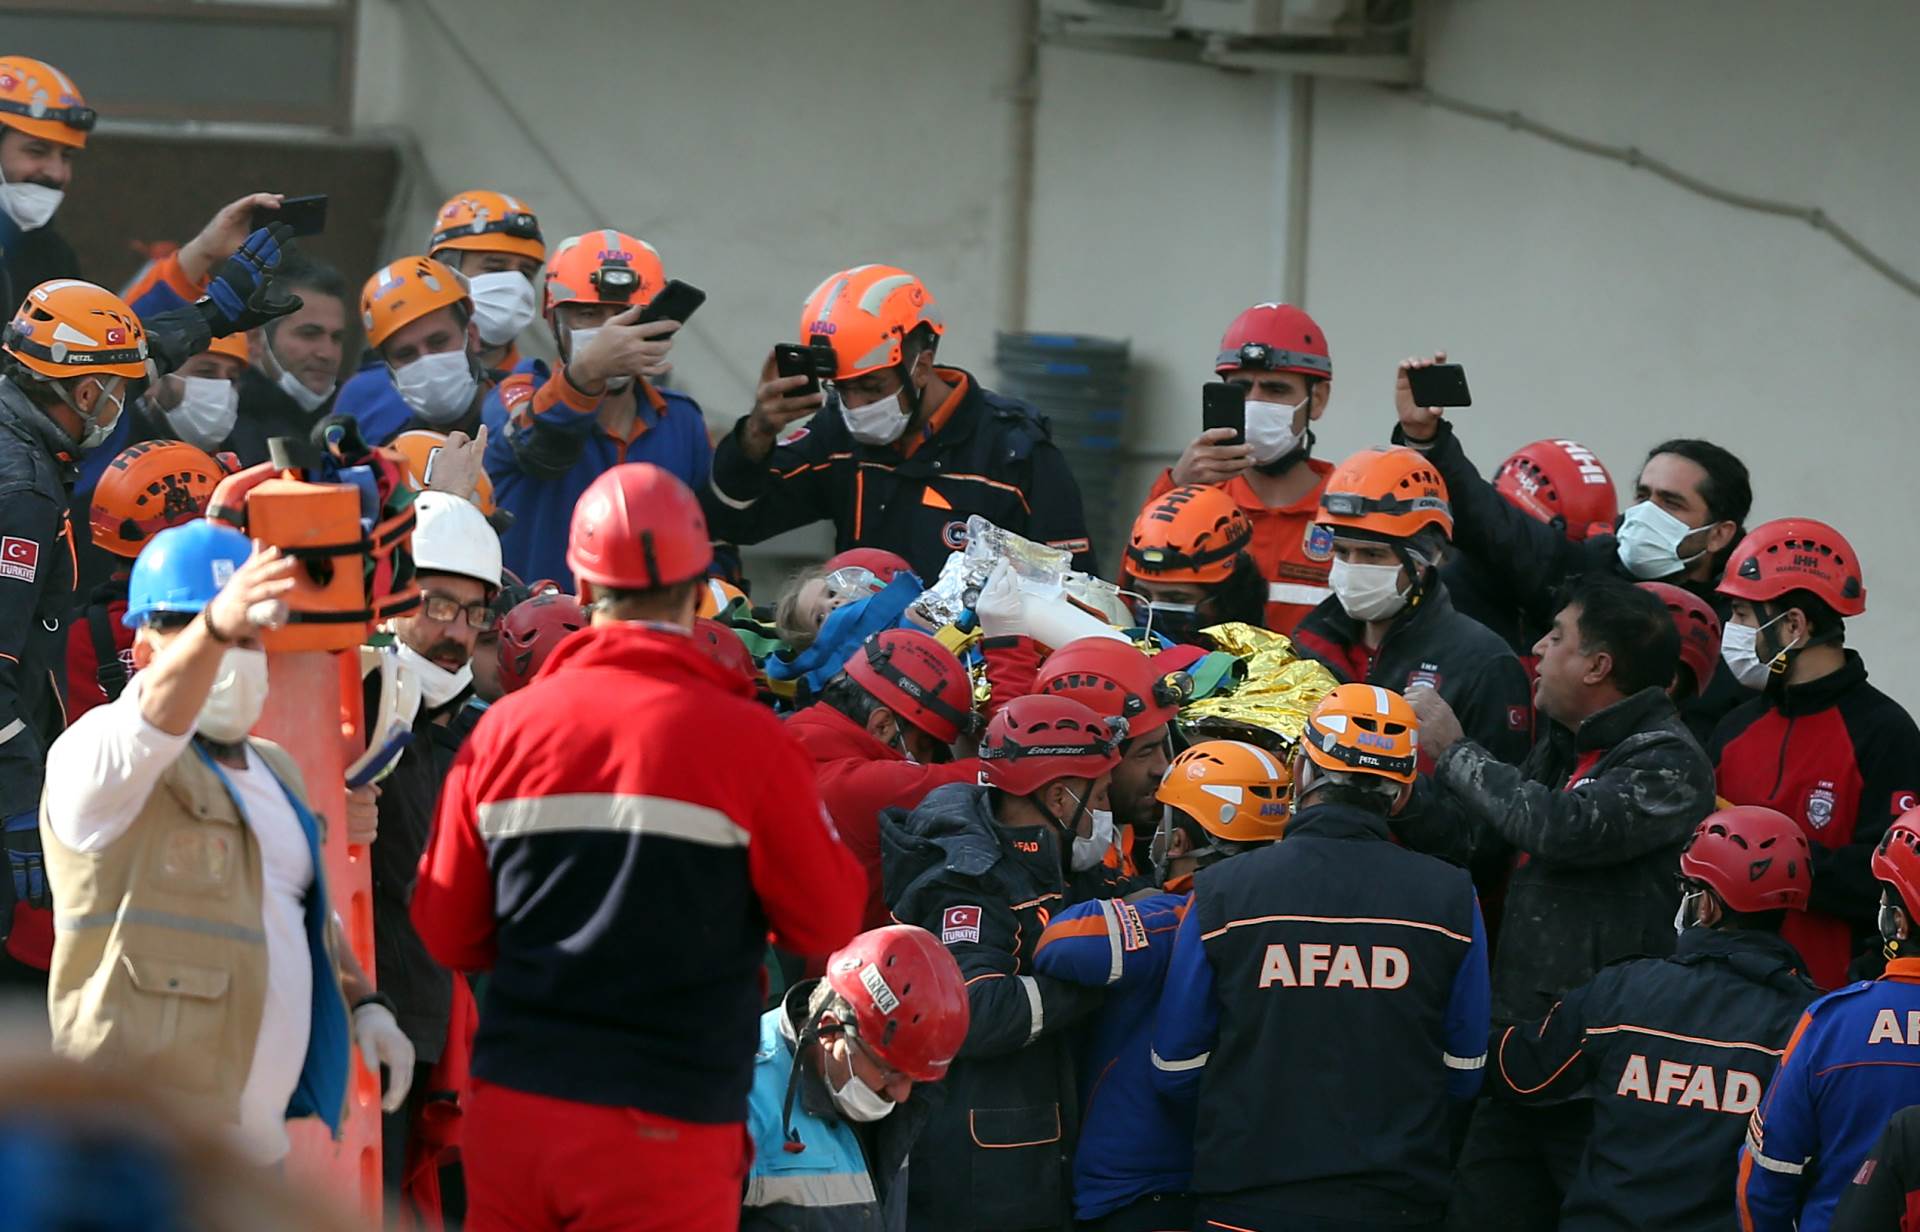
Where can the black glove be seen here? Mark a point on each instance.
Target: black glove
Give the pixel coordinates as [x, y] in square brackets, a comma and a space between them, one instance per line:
[242, 295]
[25, 862]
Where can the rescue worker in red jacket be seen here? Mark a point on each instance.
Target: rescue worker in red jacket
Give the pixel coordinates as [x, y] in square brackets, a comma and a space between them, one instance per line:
[613, 843]
[1820, 744]
[1675, 1052]
[1188, 557]
[880, 738]
[1279, 356]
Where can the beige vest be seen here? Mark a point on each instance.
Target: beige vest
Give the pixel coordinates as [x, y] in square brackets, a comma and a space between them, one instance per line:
[159, 954]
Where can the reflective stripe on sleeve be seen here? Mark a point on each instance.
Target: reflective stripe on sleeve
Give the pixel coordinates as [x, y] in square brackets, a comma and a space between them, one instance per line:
[1111, 911]
[1035, 1009]
[1175, 1067]
[1454, 1062]
[1294, 592]
[651, 816]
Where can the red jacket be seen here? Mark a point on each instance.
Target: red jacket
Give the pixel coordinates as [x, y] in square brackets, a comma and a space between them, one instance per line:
[858, 776]
[614, 841]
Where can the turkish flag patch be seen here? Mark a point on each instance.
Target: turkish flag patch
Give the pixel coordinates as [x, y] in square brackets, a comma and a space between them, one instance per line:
[960, 924]
[1519, 718]
[19, 558]
[1905, 801]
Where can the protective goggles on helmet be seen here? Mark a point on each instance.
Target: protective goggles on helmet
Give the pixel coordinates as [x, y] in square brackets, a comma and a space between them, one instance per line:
[81, 118]
[520, 225]
[880, 659]
[853, 582]
[615, 282]
[1260, 355]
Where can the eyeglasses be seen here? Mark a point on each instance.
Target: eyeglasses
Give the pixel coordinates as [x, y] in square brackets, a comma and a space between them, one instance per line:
[888, 1074]
[445, 609]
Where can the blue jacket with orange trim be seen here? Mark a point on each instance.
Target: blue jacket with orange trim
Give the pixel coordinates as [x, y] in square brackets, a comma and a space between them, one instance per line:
[1674, 1053]
[1137, 1141]
[545, 445]
[1331, 941]
[1853, 1061]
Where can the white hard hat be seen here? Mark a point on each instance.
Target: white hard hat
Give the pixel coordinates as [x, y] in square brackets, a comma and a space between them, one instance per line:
[453, 536]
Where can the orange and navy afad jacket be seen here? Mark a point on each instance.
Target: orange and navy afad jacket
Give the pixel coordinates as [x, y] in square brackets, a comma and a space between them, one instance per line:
[978, 453]
[1674, 1054]
[1852, 1062]
[1843, 760]
[603, 848]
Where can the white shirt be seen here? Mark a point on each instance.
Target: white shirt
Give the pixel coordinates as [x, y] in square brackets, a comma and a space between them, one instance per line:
[100, 773]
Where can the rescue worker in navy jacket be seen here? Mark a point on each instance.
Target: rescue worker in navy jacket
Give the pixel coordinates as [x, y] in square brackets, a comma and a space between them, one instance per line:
[983, 869]
[1332, 943]
[1885, 1193]
[831, 1113]
[1819, 743]
[1597, 812]
[1675, 1052]
[907, 450]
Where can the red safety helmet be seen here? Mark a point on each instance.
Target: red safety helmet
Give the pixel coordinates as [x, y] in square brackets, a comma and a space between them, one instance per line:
[1035, 740]
[529, 633]
[1277, 338]
[909, 999]
[723, 644]
[1790, 554]
[1698, 625]
[1116, 680]
[637, 527]
[877, 561]
[1754, 858]
[1896, 860]
[1560, 481]
[919, 680]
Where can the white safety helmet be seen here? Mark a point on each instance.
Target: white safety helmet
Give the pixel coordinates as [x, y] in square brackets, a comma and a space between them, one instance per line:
[451, 535]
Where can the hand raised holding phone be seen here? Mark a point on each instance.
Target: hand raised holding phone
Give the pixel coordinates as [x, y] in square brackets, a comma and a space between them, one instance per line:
[778, 402]
[1422, 390]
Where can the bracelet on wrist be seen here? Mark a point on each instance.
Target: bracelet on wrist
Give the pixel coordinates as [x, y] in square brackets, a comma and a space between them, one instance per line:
[206, 620]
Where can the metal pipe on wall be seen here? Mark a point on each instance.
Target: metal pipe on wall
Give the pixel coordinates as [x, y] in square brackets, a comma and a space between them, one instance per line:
[1023, 104]
[1299, 187]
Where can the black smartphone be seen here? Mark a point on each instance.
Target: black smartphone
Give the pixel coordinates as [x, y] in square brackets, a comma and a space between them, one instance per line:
[306, 215]
[676, 302]
[1439, 385]
[792, 359]
[1224, 405]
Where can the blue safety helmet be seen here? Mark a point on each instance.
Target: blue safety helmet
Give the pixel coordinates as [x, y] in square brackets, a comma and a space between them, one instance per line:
[182, 568]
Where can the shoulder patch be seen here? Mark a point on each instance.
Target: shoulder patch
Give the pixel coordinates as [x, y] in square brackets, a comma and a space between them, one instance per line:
[959, 924]
[19, 558]
[1317, 544]
[1133, 930]
[793, 436]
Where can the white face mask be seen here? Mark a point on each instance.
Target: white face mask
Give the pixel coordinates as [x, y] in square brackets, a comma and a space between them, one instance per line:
[438, 686]
[503, 305]
[1367, 592]
[292, 386]
[207, 412]
[107, 409]
[857, 1101]
[438, 386]
[1682, 918]
[1737, 651]
[577, 340]
[31, 206]
[238, 696]
[876, 423]
[1088, 852]
[1270, 431]
[1648, 542]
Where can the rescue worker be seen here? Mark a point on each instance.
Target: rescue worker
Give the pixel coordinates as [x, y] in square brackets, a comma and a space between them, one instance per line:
[1115, 680]
[618, 876]
[1187, 557]
[904, 451]
[195, 944]
[1558, 482]
[493, 242]
[1885, 1193]
[296, 360]
[1699, 628]
[881, 736]
[1675, 1052]
[1597, 812]
[1133, 1168]
[44, 124]
[1279, 356]
[1335, 934]
[983, 868]
[530, 632]
[554, 432]
[831, 1114]
[1852, 1062]
[1819, 743]
[456, 560]
[1691, 500]
[420, 322]
[1390, 620]
[199, 404]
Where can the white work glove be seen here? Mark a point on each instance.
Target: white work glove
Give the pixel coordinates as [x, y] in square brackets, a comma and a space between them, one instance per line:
[1001, 608]
[382, 1042]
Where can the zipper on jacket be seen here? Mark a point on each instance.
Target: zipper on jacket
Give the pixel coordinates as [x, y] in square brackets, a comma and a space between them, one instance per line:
[1780, 768]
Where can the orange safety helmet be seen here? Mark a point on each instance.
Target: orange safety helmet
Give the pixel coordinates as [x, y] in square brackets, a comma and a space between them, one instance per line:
[233, 346]
[603, 267]
[419, 446]
[68, 328]
[147, 488]
[41, 101]
[1364, 729]
[481, 220]
[405, 291]
[1193, 534]
[1235, 791]
[1392, 491]
[865, 314]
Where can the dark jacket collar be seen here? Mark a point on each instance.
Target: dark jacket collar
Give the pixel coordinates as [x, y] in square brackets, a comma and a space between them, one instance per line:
[1759, 956]
[1338, 821]
[1821, 694]
[1434, 604]
[1603, 729]
[28, 422]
